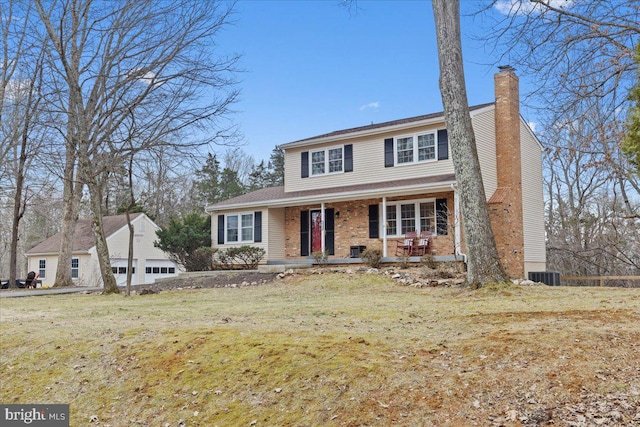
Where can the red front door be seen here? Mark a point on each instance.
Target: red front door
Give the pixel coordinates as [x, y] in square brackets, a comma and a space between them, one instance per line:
[316, 231]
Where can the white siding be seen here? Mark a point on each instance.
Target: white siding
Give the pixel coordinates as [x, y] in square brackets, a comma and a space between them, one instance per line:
[275, 235]
[159, 269]
[143, 248]
[118, 243]
[532, 202]
[485, 132]
[265, 230]
[121, 278]
[368, 163]
[51, 267]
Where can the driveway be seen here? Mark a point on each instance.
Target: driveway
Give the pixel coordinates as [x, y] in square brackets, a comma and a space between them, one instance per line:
[14, 293]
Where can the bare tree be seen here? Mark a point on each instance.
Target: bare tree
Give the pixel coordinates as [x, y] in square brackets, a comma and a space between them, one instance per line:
[14, 33]
[565, 44]
[20, 114]
[148, 59]
[581, 55]
[589, 231]
[484, 263]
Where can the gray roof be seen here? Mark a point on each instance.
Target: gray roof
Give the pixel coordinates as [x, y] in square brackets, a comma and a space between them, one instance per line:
[385, 124]
[269, 195]
[83, 238]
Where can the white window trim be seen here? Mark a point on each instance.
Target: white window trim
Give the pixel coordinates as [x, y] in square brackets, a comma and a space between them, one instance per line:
[415, 136]
[42, 270]
[395, 204]
[326, 161]
[239, 229]
[76, 268]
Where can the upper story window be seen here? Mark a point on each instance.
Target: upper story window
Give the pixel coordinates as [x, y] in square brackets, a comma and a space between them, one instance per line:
[415, 148]
[327, 161]
[419, 147]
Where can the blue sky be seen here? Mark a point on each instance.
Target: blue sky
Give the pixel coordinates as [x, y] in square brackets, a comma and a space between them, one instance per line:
[311, 67]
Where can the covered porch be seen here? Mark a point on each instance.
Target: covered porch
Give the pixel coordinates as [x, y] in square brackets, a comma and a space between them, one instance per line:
[342, 230]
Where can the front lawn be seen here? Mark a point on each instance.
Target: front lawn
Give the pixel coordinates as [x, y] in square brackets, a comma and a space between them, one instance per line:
[329, 350]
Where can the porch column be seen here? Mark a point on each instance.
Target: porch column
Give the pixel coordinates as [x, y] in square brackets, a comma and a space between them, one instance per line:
[456, 218]
[384, 226]
[322, 218]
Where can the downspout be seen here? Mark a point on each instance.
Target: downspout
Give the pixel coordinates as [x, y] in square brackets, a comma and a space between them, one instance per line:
[322, 219]
[384, 226]
[456, 218]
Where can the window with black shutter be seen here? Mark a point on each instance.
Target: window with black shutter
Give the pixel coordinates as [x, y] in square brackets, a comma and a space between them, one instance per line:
[374, 222]
[304, 164]
[443, 144]
[257, 226]
[221, 229]
[304, 233]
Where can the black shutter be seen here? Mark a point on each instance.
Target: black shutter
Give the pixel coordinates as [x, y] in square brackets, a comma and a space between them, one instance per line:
[329, 233]
[257, 226]
[221, 229]
[348, 158]
[304, 233]
[442, 215]
[374, 222]
[304, 164]
[388, 153]
[443, 144]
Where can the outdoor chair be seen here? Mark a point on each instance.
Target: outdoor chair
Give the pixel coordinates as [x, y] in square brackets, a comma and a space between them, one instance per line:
[404, 247]
[423, 243]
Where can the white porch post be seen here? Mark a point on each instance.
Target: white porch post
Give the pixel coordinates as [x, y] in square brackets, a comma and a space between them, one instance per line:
[384, 226]
[456, 218]
[322, 225]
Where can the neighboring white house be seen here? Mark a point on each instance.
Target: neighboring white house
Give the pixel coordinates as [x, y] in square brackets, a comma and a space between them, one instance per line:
[149, 262]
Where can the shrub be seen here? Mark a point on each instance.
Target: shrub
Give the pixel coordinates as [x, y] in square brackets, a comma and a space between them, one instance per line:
[202, 259]
[243, 257]
[250, 256]
[404, 261]
[222, 260]
[183, 237]
[372, 257]
[320, 257]
[427, 260]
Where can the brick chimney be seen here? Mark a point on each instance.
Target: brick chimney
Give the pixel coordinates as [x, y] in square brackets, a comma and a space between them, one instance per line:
[505, 205]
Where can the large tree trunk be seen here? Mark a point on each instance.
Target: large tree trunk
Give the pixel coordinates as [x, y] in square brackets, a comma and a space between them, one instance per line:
[71, 193]
[102, 250]
[484, 263]
[18, 212]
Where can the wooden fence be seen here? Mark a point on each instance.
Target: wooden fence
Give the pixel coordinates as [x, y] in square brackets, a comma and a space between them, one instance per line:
[600, 279]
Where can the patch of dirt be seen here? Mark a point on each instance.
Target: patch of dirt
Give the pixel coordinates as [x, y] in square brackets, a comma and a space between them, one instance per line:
[231, 279]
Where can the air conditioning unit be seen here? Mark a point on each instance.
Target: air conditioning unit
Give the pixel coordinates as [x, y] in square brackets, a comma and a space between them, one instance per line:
[355, 251]
[551, 278]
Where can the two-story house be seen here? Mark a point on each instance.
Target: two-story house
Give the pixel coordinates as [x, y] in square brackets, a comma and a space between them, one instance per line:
[368, 186]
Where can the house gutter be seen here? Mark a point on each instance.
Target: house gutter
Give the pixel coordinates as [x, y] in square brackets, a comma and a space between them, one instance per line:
[456, 209]
[381, 128]
[333, 197]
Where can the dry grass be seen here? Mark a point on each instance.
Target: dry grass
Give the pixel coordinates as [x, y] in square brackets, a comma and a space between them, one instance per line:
[328, 350]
